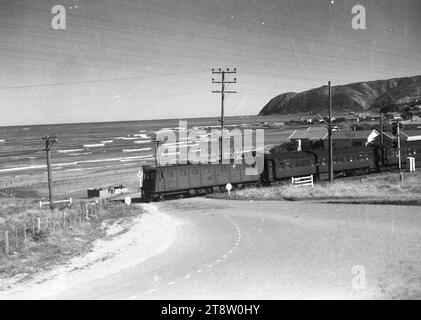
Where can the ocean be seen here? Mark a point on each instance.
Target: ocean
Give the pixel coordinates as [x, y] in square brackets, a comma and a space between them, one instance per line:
[88, 145]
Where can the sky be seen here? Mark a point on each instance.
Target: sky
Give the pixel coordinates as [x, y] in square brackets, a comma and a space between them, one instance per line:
[152, 59]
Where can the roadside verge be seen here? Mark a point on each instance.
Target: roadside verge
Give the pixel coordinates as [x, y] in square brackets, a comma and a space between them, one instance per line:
[125, 246]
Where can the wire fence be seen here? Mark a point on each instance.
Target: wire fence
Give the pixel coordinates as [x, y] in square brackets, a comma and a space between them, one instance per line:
[16, 233]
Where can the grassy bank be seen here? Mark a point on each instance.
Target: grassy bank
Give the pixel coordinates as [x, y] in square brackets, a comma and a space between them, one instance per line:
[374, 189]
[38, 239]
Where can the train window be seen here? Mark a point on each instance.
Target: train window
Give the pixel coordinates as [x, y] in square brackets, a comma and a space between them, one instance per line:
[170, 174]
[282, 165]
[323, 161]
[194, 171]
[288, 164]
[183, 173]
[146, 175]
[312, 163]
[367, 156]
[351, 158]
[335, 160]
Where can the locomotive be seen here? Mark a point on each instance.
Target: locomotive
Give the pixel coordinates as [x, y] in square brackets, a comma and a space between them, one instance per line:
[199, 179]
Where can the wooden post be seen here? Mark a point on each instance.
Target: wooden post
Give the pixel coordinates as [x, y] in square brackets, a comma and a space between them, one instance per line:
[86, 210]
[38, 225]
[6, 242]
[33, 225]
[24, 233]
[48, 143]
[330, 128]
[64, 220]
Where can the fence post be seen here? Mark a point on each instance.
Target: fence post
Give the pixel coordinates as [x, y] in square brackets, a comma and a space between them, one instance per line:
[38, 225]
[33, 225]
[6, 242]
[16, 229]
[24, 233]
[86, 211]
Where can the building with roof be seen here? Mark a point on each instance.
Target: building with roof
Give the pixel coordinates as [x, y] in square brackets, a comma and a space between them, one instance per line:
[306, 138]
[311, 133]
[411, 135]
[407, 136]
[348, 138]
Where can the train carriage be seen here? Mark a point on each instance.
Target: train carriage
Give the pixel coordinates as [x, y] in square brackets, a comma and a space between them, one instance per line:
[283, 166]
[188, 180]
[347, 161]
[391, 158]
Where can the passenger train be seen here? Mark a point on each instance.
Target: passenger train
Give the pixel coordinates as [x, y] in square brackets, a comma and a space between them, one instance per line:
[198, 179]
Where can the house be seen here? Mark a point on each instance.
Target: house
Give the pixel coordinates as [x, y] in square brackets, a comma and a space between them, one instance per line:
[306, 138]
[406, 136]
[311, 133]
[347, 138]
[411, 135]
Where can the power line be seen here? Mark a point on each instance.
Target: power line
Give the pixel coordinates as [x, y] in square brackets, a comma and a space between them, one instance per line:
[104, 26]
[96, 81]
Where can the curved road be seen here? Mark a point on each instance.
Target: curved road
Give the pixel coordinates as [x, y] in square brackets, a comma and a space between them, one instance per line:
[275, 250]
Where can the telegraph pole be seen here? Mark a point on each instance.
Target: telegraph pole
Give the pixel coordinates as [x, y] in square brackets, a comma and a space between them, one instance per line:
[381, 129]
[223, 82]
[398, 135]
[329, 130]
[48, 144]
[156, 151]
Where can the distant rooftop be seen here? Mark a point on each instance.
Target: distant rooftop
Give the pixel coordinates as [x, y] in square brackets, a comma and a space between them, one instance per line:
[348, 134]
[411, 133]
[312, 133]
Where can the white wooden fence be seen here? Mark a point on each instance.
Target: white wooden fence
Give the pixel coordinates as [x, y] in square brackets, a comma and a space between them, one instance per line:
[69, 201]
[303, 181]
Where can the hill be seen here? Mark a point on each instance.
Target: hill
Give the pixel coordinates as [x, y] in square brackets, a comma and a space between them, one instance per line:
[357, 97]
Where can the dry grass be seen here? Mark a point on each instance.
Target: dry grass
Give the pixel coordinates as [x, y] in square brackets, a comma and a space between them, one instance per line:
[57, 241]
[375, 189]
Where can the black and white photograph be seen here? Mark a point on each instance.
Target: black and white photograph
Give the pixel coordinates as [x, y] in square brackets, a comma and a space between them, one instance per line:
[227, 152]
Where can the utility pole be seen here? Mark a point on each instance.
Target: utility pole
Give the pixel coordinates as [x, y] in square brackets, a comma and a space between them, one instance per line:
[223, 82]
[157, 154]
[381, 130]
[329, 130]
[48, 144]
[398, 131]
